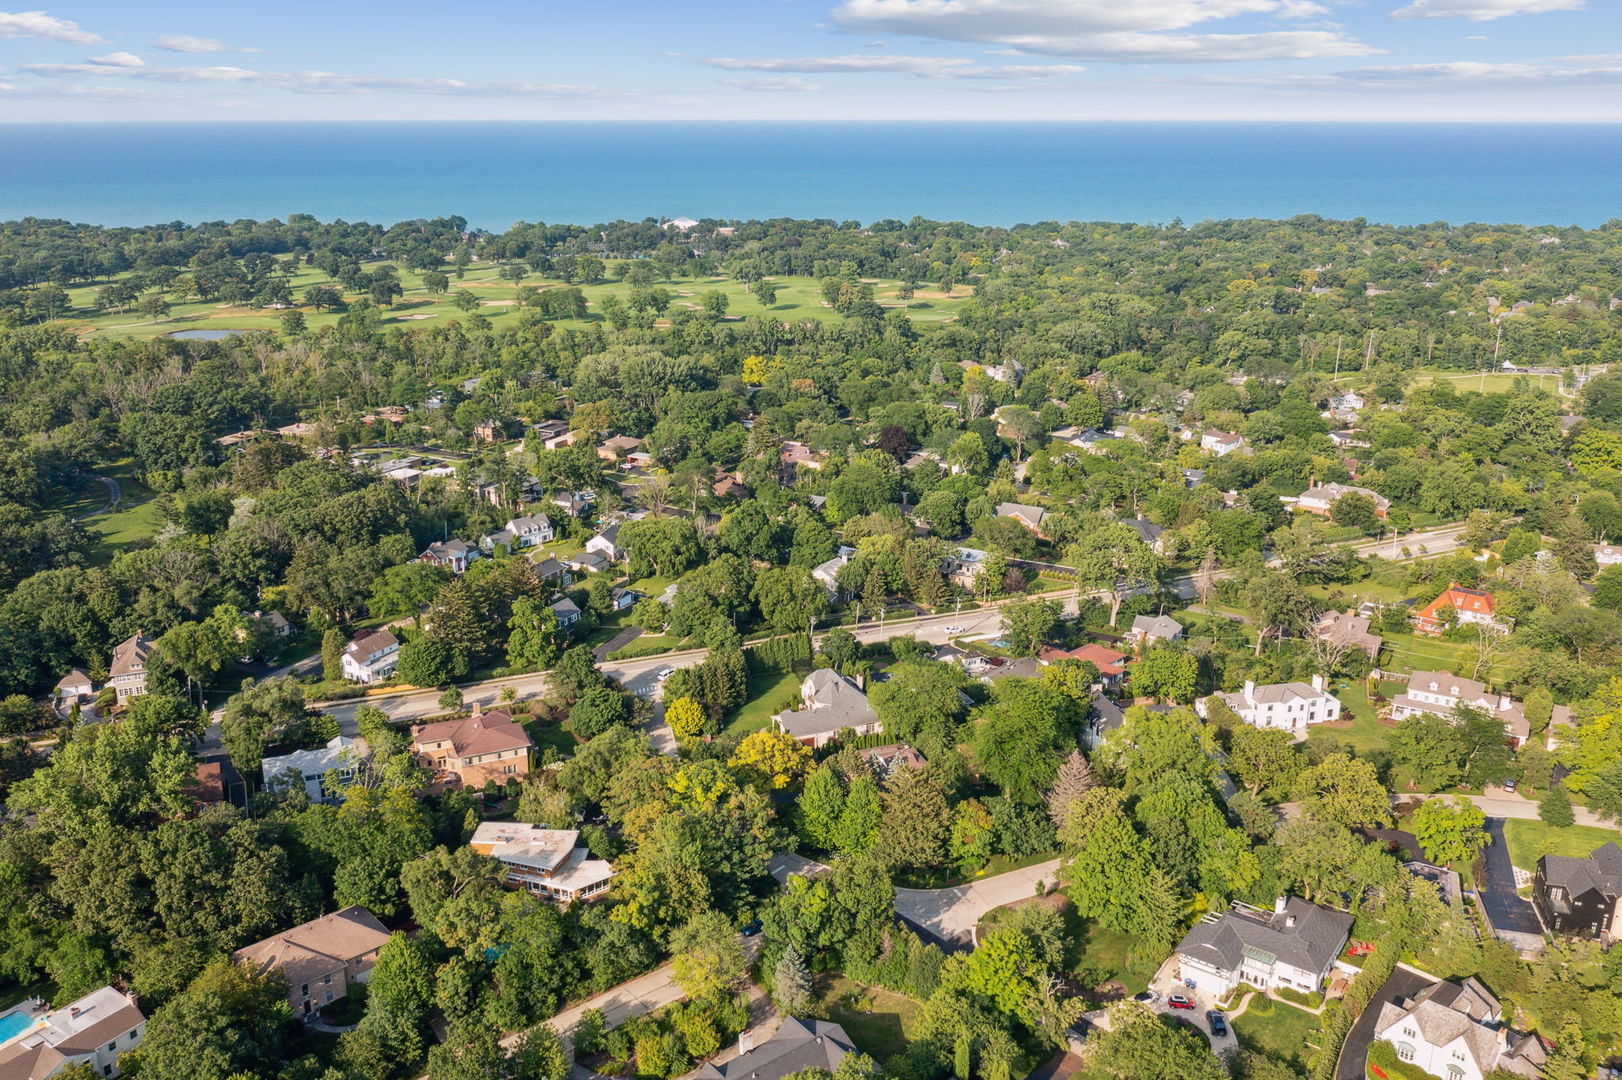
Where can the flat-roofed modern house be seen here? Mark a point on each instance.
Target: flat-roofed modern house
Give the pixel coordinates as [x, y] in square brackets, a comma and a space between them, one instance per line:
[322, 958]
[547, 862]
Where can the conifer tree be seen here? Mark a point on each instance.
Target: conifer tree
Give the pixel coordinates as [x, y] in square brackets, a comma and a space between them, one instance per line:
[1074, 780]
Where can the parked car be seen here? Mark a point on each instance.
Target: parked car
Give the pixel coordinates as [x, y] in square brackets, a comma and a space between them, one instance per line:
[1178, 1001]
[1509, 785]
[1147, 997]
[1218, 1022]
[664, 673]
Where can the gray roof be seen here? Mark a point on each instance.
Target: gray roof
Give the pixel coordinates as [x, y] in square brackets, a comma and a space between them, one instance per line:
[1444, 1012]
[1601, 871]
[1147, 530]
[1160, 626]
[798, 1044]
[1303, 935]
[565, 607]
[832, 702]
[1031, 515]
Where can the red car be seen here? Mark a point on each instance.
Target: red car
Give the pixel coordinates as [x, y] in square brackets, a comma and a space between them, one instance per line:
[1178, 1001]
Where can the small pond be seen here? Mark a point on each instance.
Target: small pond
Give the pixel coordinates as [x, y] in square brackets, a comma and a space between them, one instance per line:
[206, 335]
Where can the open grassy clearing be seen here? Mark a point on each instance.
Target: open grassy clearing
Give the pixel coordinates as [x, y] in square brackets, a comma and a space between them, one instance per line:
[1282, 1032]
[769, 692]
[879, 1022]
[1530, 839]
[798, 298]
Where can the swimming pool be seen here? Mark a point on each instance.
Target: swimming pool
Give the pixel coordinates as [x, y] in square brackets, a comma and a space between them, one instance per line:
[13, 1024]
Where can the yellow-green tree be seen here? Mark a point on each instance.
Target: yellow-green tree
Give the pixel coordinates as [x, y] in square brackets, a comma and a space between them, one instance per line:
[773, 759]
[685, 717]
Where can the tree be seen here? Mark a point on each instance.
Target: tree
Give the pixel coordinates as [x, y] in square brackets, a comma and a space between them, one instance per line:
[1027, 624]
[1344, 790]
[534, 639]
[686, 718]
[1450, 830]
[1263, 760]
[1140, 1045]
[405, 589]
[789, 598]
[1555, 808]
[708, 959]
[765, 291]
[772, 759]
[1166, 674]
[1356, 511]
[402, 981]
[253, 714]
[1279, 605]
[791, 983]
[1433, 747]
[429, 662]
[859, 819]
[598, 709]
[1074, 779]
[332, 654]
[465, 301]
[227, 1024]
[820, 806]
[916, 818]
[1115, 561]
[970, 840]
[1018, 741]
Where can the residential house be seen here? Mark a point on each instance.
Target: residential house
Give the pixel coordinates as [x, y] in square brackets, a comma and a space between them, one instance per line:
[1289, 706]
[1465, 605]
[623, 599]
[546, 862]
[127, 672]
[1346, 406]
[988, 669]
[547, 430]
[1089, 439]
[1346, 440]
[575, 504]
[606, 544]
[730, 486]
[1111, 664]
[1294, 946]
[454, 555]
[1150, 533]
[587, 562]
[342, 755]
[1607, 555]
[617, 447]
[531, 530]
[827, 573]
[567, 611]
[885, 760]
[74, 688]
[371, 657]
[1104, 717]
[1456, 1031]
[1193, 478]
[488, 431]
[830, 703]
[1581, 897]
[473, 750]
[962, 567]
[322, 958]
[797, 1045]
[1320, 499]
[275, 622]
[94, 1032]
[549, 569]
[1029, 516]
[1440, 693]
[296, 431]
[1147, 629]
[796, 456]
[1221, 443]
[1350, 630]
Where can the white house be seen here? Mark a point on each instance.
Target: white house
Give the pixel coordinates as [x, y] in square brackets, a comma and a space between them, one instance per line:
[1294, 946]
[831, 703]
[606, 544]
[521, 532]
[1221, 443]
[455, 555]
[95, 1031]
[341, 755]
[1287, 706]
[371, 657]
[127, 672]
[547, 862]
[1440, 693]
[827, 573]
[1456, 1031]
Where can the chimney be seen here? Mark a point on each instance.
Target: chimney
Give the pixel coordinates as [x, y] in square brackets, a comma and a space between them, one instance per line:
[1505, 703]
[1278, 905]
[73, 1013]
[1250, 689]
[478, 709]
[1289, 921]
[1317, 682]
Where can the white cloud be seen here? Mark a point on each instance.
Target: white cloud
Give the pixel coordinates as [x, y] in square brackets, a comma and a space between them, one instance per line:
[1555, 73]
[313, 82]
[24, 24]
[774, 84]
[933, 67]
[1482, 10]
[119, 59]
[1142, 31]
[186, 43]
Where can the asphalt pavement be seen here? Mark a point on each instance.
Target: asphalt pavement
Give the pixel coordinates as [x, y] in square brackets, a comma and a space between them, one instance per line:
[1504, 907]
[1354, 1052]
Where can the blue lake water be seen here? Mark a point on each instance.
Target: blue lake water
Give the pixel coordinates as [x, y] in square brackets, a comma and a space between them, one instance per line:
[495, 174]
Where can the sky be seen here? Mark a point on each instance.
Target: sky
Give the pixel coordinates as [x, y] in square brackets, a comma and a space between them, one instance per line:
[869, 60]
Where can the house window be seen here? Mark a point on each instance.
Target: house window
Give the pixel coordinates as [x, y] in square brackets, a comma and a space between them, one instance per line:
[329, 997]
[305, 989]
[1455, 1073]
[1405, 1051]
[112, 1046]
[327, 981]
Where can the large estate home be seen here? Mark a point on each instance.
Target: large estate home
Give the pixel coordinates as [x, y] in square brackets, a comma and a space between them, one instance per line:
[1457, 604]
[94, 1032]
[1581, 897]
[1320, 499]
[830, 703]
[547, 862]
[1440, 693]
[1456, 1031]
[1293, 946]
[1290, 706]
[474, 750]
[371, 657]
[322, 958]
[796, 1046]
[127, 673]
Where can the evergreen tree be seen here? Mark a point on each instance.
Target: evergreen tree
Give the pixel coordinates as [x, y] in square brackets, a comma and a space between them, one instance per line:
[821, 806]
[791, 983]
[859, 821]
[1555, 808]
[1074, 780]
[332, 654]
[916, 819]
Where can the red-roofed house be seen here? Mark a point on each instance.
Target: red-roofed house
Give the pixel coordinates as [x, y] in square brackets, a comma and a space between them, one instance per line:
[474, 749]
[1468, 606]
[1111, 665]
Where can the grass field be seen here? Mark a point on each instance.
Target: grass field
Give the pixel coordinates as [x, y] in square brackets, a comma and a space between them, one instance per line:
[1364, 731]
[798, 298]
[1283, 1032]
[769, 691]
[1098, 953]
[1530, 839]
[879, 1022]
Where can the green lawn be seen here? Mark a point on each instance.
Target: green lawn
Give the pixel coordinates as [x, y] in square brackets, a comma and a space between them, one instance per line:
[948, 877]
[1358, 724]
[879, 1022]
[1098, 954]
[560, 737]
[1409, 652]
[1282, 1032]
[769, 692]
[798, 299]
[1529, 839]
[127, 525]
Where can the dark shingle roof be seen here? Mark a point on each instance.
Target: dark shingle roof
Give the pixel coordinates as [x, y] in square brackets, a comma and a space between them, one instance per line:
[1601, 870]
[798, 1044]
[1303, 935]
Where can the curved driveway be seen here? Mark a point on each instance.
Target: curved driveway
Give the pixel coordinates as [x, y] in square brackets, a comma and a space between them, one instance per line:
[950, 915]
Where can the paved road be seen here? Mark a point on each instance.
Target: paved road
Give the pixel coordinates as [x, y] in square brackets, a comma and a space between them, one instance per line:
[1507, 804]
[1505, 909]
[1354, 1052]
[115, 495]
[951, 915]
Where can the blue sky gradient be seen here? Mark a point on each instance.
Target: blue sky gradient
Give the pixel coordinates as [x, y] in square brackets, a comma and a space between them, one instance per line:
[171, 60]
